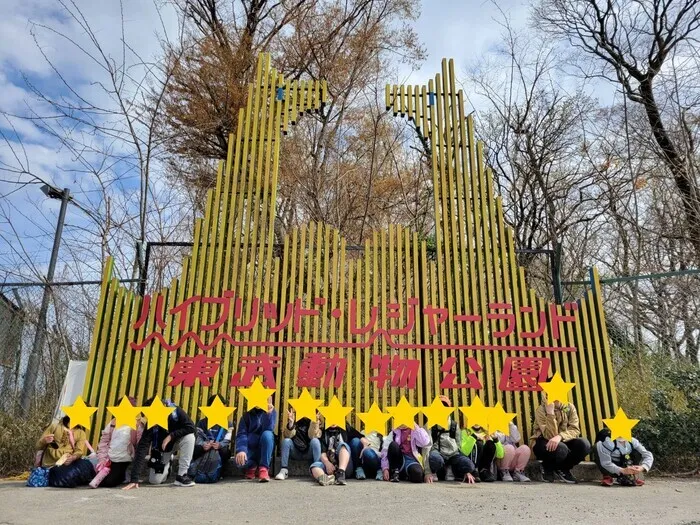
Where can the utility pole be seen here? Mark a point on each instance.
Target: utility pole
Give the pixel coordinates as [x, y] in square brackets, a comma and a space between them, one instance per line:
[30, 376]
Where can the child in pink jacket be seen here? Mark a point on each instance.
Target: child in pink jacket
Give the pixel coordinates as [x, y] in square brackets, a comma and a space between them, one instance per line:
[115, 453]
[405, 454]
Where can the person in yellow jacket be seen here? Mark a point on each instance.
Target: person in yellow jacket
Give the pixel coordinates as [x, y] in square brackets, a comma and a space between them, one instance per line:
[63, 452]
[557, 441]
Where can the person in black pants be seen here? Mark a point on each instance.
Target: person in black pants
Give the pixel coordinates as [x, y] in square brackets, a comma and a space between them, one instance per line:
[557, 440]
[482, 453]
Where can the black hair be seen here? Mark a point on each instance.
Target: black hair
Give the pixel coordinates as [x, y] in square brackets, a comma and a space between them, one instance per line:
[213, 398]
[66, 421]
[149, 401]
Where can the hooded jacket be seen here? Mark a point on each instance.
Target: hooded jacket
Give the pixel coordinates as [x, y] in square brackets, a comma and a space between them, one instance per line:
[252, 425]
[420, 446]
[106, 440]
[179, 425]
[61, 435]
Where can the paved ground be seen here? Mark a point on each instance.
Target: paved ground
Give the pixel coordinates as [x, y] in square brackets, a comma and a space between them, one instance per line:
[300, 501]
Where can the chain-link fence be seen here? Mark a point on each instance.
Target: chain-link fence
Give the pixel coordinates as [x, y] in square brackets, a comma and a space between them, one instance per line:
[69, 321]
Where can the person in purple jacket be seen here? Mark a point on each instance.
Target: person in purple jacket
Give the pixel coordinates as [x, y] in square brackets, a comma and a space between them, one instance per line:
[255, 441]
[405, 455]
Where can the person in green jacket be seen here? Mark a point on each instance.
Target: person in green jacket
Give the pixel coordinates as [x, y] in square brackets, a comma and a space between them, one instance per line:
[482, 450]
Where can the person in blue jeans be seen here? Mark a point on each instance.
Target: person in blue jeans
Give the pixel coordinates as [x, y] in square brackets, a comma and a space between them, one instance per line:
[255, 441]
[366, 455]
[336, 456]
[445, 459]
[301, 441]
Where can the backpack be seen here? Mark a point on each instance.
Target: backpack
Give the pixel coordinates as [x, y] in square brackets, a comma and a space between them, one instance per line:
[207, 468]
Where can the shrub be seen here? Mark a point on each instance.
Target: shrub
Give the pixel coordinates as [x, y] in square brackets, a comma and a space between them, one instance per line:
[665, 395]
[17, 440]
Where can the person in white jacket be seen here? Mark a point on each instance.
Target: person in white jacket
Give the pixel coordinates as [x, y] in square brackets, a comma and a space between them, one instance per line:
[621, 460]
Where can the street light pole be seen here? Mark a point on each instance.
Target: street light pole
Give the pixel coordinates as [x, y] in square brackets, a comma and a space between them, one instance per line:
[30, 376]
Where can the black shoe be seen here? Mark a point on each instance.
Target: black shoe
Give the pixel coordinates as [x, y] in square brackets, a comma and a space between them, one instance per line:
[340, 477]
[395, 475]
[184, 481]
[626, 481]
[548, 476]
[564, 476]
[486, 475]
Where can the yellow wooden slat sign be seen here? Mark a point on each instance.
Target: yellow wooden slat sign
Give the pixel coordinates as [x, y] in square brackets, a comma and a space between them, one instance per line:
[244, 299]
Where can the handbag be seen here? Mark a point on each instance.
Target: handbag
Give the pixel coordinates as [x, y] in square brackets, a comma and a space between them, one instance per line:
[38, 477]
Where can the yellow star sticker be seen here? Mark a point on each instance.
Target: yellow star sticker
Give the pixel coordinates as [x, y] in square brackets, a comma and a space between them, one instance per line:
[79, 413]
[621, 426]
[476, 413]
[125, 413]
[335, 413]
[437, 413]
[257, 395]
[217, 413]
[305, 405]
[403, 413]
[375, 419]
[556, 389]
[157, 413]
[499, 419]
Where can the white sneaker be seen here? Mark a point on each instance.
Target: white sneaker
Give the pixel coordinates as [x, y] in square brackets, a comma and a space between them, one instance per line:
[282, 474]
[505, 475]
[520, 476]
[449, 475]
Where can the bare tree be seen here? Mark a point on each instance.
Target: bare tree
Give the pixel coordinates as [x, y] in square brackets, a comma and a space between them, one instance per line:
[104, 140]
[547, 164]
[633, 42]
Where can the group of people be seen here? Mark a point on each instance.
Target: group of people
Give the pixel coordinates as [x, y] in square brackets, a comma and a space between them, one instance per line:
[416, 454]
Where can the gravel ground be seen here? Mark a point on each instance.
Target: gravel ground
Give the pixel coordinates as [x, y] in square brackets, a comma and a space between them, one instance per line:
[660, 502]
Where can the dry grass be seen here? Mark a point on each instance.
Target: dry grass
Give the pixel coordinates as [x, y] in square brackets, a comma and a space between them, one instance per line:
[17, 440]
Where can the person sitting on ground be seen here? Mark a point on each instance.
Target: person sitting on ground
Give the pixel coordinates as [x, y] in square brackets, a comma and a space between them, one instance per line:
[116, 451]
[482, 449]
[159, 444]
[446, 460]
[212, 450]
[336, 456]
[301, 441]
[621, 460]
[366, 454]
[557, 441]
[405, 455]
[255, 441]
[515, 457]
[63, 453]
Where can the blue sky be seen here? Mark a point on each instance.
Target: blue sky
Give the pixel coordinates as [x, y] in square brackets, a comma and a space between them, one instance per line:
[462, 30]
